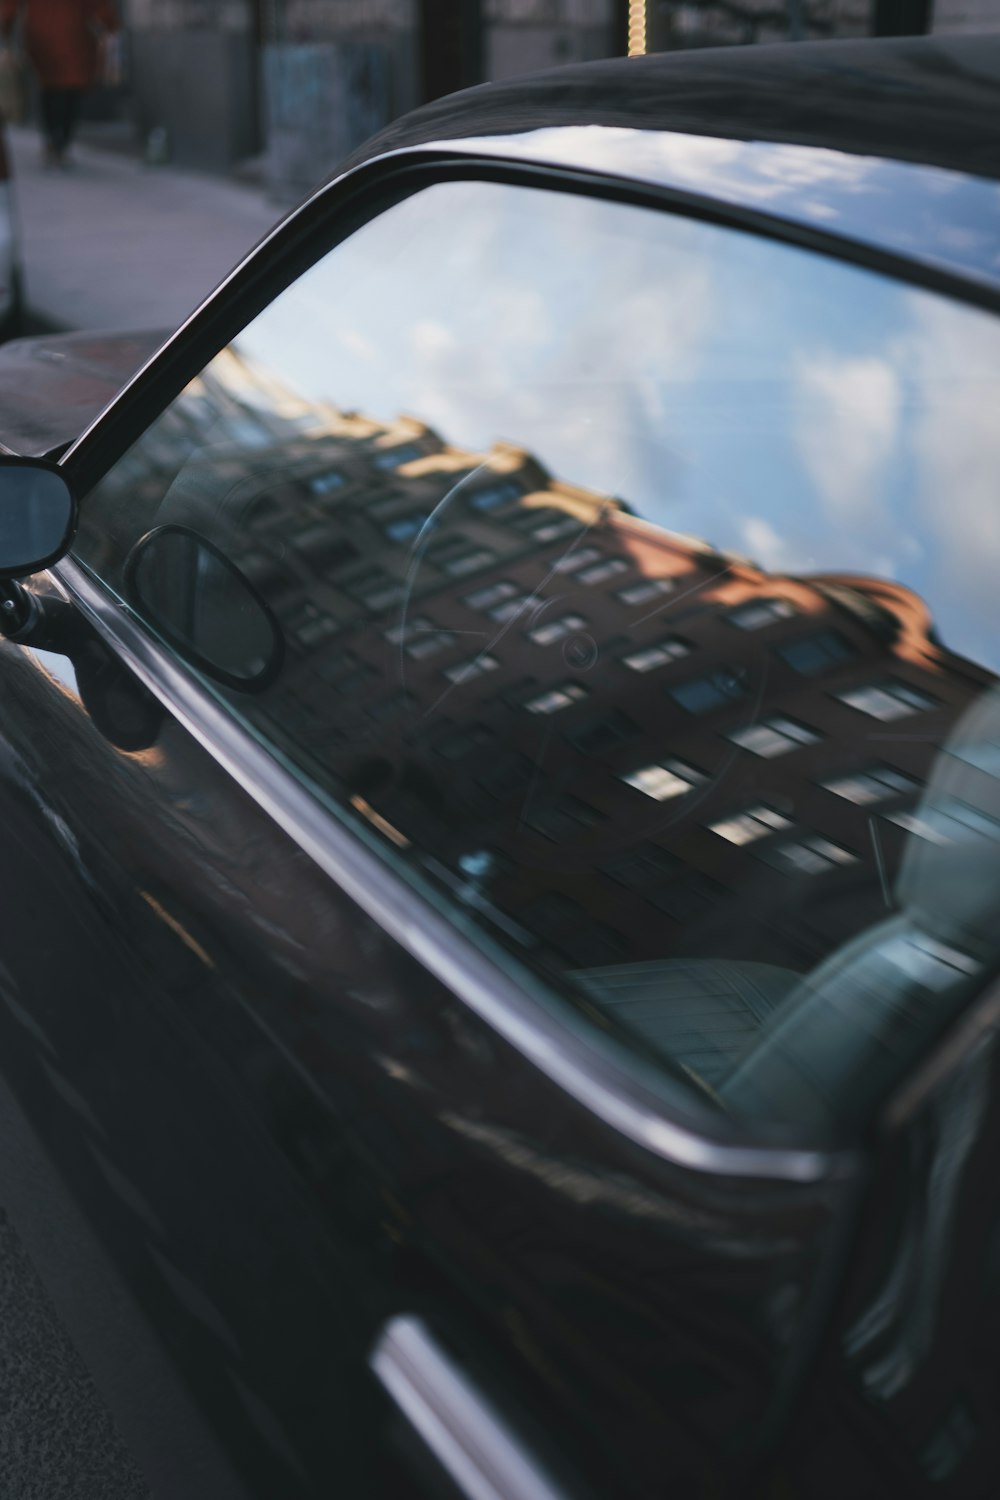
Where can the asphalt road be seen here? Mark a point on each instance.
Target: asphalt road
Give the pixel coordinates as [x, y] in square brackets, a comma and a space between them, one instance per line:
[57, 1438]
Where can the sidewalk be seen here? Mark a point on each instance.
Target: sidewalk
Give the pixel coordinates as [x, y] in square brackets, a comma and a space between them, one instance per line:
[111, 243]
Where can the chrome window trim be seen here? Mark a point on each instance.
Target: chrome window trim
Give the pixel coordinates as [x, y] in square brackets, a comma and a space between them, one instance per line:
[586, 1073]
[462, 1429]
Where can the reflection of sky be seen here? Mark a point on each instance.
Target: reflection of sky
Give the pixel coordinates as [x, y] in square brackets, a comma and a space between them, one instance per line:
[938, 216]
[812, 415]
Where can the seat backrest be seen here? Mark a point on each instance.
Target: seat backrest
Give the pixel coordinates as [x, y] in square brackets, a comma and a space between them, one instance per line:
[843, 1033]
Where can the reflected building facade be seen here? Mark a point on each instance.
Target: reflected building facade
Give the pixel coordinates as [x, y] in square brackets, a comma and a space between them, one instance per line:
[613, 742]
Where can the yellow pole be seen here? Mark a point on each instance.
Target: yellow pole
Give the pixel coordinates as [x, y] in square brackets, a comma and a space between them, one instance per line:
[636, 28]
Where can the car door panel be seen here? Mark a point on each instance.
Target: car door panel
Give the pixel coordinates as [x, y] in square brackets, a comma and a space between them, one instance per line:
[186, 1188]
[51, 388]
[284, 1132]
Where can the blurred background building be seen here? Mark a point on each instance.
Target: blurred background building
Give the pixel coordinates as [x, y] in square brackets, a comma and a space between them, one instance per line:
[291, 86]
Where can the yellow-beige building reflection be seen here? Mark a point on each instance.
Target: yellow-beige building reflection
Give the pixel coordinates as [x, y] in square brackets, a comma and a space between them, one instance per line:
[613, 741]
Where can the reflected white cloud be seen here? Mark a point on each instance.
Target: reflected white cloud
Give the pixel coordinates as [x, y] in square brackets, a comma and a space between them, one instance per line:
[617, 332]
[892, 203]
[955, 358]
[847, 426]
[430, 340]
[761, 542]
[759, 170]
[358, 345]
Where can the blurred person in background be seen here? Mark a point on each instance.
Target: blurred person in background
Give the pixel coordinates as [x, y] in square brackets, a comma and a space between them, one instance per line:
[64, 41]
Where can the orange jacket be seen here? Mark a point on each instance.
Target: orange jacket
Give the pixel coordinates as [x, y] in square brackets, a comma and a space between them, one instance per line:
[61, 37]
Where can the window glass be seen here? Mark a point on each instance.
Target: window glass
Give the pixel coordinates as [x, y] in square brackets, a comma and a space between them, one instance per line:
[636, 581]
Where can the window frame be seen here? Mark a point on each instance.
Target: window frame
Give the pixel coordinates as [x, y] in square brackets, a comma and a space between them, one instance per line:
[622, 1091]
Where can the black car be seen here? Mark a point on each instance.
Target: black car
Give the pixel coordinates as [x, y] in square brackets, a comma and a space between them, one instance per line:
[501, 783]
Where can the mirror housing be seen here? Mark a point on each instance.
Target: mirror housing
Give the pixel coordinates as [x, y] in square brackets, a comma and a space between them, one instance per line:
[38, 513]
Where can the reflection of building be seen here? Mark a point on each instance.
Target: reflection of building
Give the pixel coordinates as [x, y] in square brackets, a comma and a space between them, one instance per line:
[598, 733]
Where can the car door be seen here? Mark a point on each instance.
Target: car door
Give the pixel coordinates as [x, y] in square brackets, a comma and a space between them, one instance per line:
[449, 993]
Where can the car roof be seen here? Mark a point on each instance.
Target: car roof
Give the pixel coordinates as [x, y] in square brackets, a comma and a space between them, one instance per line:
[934, 100]
[892, 147]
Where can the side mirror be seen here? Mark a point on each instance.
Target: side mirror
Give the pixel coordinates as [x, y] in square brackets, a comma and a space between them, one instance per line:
[200, 601]
[37, 515]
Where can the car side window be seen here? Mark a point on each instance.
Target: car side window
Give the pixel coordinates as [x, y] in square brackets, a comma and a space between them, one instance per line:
[633, 580]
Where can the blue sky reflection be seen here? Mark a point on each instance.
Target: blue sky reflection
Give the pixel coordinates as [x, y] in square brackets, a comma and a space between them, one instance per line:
[814, 416]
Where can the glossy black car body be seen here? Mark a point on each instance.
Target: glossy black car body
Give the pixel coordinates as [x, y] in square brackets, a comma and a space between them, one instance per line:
[357, 1204]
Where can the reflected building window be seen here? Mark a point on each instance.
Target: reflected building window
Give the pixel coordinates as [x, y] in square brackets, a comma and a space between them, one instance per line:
[429, 643]
[556, 630]
[377, 591]
[466, 671]
[464, 561]
[554, 531]
[751, 824]
[758, 613]
[491, 594]
[811, 856]
[407, 527]
[326, 484]
[666, 779]
[495, 496]
[703, 694]
[512, 607]
[578, 558]
[399, 635]
[600, 572]
[310, 626]
[649, 588]
[556, 699]
[651, 657]
[873, 784]
[887, 700]
[774, 736]
[392, 458]
[811, 655]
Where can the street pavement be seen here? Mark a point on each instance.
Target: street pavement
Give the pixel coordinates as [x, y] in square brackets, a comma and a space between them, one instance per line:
[111, 243]
[58, 1440]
